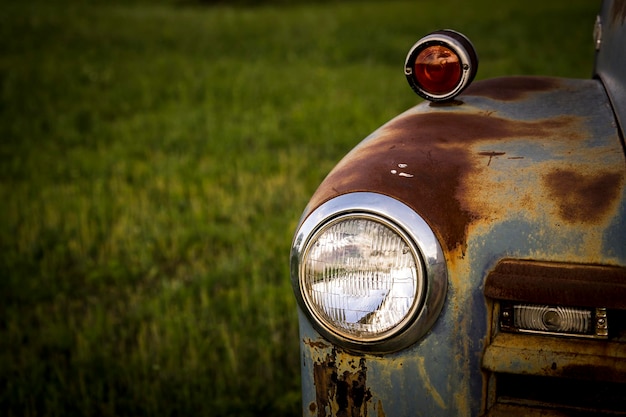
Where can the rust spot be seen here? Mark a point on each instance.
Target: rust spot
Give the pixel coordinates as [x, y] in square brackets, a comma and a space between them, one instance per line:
[511, 88]
[315, 344]
[324, 376]
[558, 283]
[340, 393]
[491, 155]
[436, 146]
[312, 407]
[582, 198]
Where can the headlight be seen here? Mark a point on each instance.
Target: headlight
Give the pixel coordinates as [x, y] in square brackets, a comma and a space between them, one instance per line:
[368, 272]
[361, 276]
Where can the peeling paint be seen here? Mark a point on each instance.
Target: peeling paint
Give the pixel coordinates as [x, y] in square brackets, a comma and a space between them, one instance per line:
[445, 150]
[540, 178]
[340, 387]
[440, 163]
[316, 343]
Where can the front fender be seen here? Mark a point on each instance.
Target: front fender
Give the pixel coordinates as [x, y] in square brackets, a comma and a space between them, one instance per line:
[533, 146]
[520, 167]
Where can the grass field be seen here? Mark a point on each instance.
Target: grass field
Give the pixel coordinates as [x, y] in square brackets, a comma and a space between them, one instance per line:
[154, 159]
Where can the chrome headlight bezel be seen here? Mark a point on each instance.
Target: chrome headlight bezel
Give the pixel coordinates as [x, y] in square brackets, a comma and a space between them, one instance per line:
[412, 228]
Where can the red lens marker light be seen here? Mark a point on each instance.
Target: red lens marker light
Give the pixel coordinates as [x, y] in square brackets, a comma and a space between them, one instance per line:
[437, 69]
[441, 65]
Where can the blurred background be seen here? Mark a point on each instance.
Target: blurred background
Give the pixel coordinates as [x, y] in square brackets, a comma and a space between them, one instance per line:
[155, 157]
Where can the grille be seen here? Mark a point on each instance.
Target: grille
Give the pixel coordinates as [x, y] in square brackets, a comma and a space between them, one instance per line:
[584, 397]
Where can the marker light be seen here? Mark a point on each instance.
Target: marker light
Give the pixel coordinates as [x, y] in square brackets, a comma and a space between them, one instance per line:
[556, 320]
[441, 65]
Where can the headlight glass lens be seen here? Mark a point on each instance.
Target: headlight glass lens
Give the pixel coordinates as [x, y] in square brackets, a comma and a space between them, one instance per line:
[362, 277]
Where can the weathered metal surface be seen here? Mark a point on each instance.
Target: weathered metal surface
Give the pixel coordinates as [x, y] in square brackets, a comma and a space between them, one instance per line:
[340, 385]
[611, 59]
[555, 283]
[480, 161]
[569, 358]
[527, 168]
[512, 88]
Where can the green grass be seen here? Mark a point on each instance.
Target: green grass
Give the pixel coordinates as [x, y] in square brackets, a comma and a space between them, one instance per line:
[154, 160]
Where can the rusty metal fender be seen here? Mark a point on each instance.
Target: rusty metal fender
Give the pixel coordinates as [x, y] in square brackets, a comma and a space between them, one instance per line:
[519, 167]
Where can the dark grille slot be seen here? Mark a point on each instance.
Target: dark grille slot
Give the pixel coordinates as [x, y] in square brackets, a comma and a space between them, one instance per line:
[617, 325]
[561, 393]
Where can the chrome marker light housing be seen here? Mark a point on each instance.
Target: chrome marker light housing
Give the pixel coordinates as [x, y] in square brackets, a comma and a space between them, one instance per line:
[441, 65]
[368, 272]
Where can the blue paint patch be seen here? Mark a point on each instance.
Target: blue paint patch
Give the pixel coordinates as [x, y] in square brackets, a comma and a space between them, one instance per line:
[614, 241]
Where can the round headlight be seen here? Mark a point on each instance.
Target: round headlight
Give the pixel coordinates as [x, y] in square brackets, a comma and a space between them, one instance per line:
[361, 276]
[368, 272]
